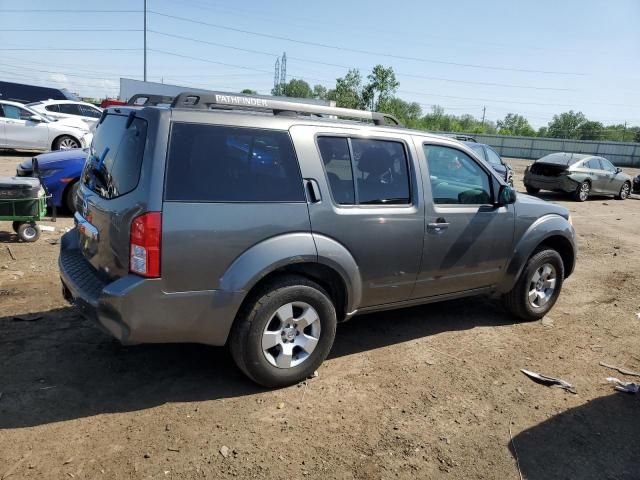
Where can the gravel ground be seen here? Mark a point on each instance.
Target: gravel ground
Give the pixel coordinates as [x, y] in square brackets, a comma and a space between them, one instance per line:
[426, 392]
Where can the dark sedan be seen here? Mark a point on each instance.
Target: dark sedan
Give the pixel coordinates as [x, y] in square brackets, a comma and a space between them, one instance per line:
[578, 174]
[485, 152]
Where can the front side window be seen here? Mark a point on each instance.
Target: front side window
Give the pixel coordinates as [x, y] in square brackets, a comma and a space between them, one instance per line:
[52, 108]
[455, 177]
[493, 157]
[607, 165]
[366, 171]
[211, 163]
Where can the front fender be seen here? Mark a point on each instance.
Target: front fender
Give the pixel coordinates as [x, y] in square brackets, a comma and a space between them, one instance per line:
[545, 227]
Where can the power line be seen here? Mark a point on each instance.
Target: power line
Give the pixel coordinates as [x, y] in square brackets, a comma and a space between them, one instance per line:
[366, 52]
[210, 61]
[58, 10]
[270, 54]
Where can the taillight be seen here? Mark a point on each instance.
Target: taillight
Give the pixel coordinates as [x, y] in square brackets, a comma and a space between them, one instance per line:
[144, 246]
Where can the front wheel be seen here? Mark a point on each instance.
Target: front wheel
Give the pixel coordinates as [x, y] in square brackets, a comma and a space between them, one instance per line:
[538, 287]
[284, 332]
[29, 232]
[625, 190]
[66, 142]
[582, 192]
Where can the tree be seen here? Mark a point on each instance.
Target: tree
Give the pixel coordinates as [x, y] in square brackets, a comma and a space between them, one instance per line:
[320, 92]
[248, 91]
[590, 130]
[566, 125]
[543, 132]
[636, 138]
[514, 124]
[349, 91]
[381, 87]
[408, 113]
[297, 88]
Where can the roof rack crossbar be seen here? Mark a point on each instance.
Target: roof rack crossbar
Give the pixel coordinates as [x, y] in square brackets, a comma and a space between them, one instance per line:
[207, 101]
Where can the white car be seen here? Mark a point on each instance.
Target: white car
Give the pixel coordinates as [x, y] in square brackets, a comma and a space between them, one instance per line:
[23, 128]
[68, 109]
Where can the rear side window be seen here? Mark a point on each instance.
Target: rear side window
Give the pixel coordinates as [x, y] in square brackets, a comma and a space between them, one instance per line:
[90, 112]
[210, 163]
[52, 108]
[366, 171]
[593, 163]
[115, 157]
[70, 109]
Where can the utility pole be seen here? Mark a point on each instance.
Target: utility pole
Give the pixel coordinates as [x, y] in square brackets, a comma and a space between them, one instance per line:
[624, 132]
[145, 40]
[484, 111]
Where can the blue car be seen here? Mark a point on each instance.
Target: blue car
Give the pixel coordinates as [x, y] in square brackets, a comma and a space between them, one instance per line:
[60, 172]
[488, 154]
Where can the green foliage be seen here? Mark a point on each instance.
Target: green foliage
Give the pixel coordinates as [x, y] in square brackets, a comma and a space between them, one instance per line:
[381, 87]
[636, 137]
[295, 88]
[248, 91]
[514, 124]
[349, 91]
[590, 130]
[408, 113]
[566, 125]
[320, 92]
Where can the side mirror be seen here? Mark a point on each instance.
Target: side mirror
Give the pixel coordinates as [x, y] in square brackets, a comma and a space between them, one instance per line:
[618, 170]
[506, 195]
[35, 118]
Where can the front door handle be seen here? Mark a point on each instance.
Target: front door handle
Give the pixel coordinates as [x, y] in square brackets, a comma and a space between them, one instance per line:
[313, 190]
[437, 227]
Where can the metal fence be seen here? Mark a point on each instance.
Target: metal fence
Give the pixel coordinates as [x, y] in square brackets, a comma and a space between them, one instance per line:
[619, 153]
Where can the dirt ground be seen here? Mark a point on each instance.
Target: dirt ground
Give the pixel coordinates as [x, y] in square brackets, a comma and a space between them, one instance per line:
[427, 392]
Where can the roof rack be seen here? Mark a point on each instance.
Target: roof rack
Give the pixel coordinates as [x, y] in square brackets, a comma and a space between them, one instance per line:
[279, 106]
[149, 99]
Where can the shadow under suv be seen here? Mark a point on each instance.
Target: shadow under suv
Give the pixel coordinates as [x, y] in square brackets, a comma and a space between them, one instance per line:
[255, 222]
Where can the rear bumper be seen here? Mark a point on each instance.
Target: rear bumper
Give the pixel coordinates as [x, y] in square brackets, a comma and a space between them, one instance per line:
[137, 310]
[557, 184]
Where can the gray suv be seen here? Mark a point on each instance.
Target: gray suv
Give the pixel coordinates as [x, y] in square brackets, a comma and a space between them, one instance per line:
[260, 223]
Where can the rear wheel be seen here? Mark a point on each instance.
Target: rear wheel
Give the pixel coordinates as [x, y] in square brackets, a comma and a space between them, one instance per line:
[284, 332]
[582, 192]
[532, 190]
[66, 142]
[29, 232]
[625, 190]
[538, 287]
[70, 195]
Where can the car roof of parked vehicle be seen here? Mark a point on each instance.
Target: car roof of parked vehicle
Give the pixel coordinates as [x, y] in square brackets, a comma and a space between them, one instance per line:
[564, 158]
[60, 102]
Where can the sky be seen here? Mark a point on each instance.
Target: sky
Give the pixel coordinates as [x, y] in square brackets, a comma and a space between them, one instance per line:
[534, 58]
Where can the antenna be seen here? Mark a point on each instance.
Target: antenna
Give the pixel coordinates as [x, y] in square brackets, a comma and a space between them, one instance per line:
[276, 78]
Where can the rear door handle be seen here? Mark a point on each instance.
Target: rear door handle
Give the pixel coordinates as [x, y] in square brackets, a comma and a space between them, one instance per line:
[437, 227]
[313, 190]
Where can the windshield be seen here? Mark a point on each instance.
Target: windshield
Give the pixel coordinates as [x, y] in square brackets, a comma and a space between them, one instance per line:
[115, 157]
[477, 148]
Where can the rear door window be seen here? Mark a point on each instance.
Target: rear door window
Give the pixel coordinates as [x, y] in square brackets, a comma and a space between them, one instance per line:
[593, 163]
[211, 163]
[366, 171]
[70, 109]
[115, 157]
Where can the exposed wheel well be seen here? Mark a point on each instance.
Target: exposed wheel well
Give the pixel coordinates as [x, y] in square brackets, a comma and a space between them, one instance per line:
[326, 277]
[66, 191]
[55, 140]
[564, 248]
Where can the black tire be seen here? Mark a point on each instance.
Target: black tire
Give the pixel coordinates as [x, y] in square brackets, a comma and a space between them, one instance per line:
[29, 232]
[517, 300]
[624, 192]
[66, 142]
[258, 312]
[70, 195]
[532, 190]
[15, 226]
[582, 192]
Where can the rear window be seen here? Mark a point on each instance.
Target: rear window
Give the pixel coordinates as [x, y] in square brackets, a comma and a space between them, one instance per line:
[115, 157]
[211, 163]
[561, 158]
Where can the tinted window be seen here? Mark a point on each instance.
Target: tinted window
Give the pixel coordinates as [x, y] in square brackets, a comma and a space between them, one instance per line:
[379, 166]
[478, 149]
[337, 163]
[17, 113]
[607, 165]
[593, 163]
[69, 108]
[52, 108]
[89, 111]
[493, 157]
[115, 156]
[455, 177]
[228, 164]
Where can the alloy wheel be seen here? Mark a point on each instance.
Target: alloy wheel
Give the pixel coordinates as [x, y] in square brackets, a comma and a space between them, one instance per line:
[68, 143]
[542, 285]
